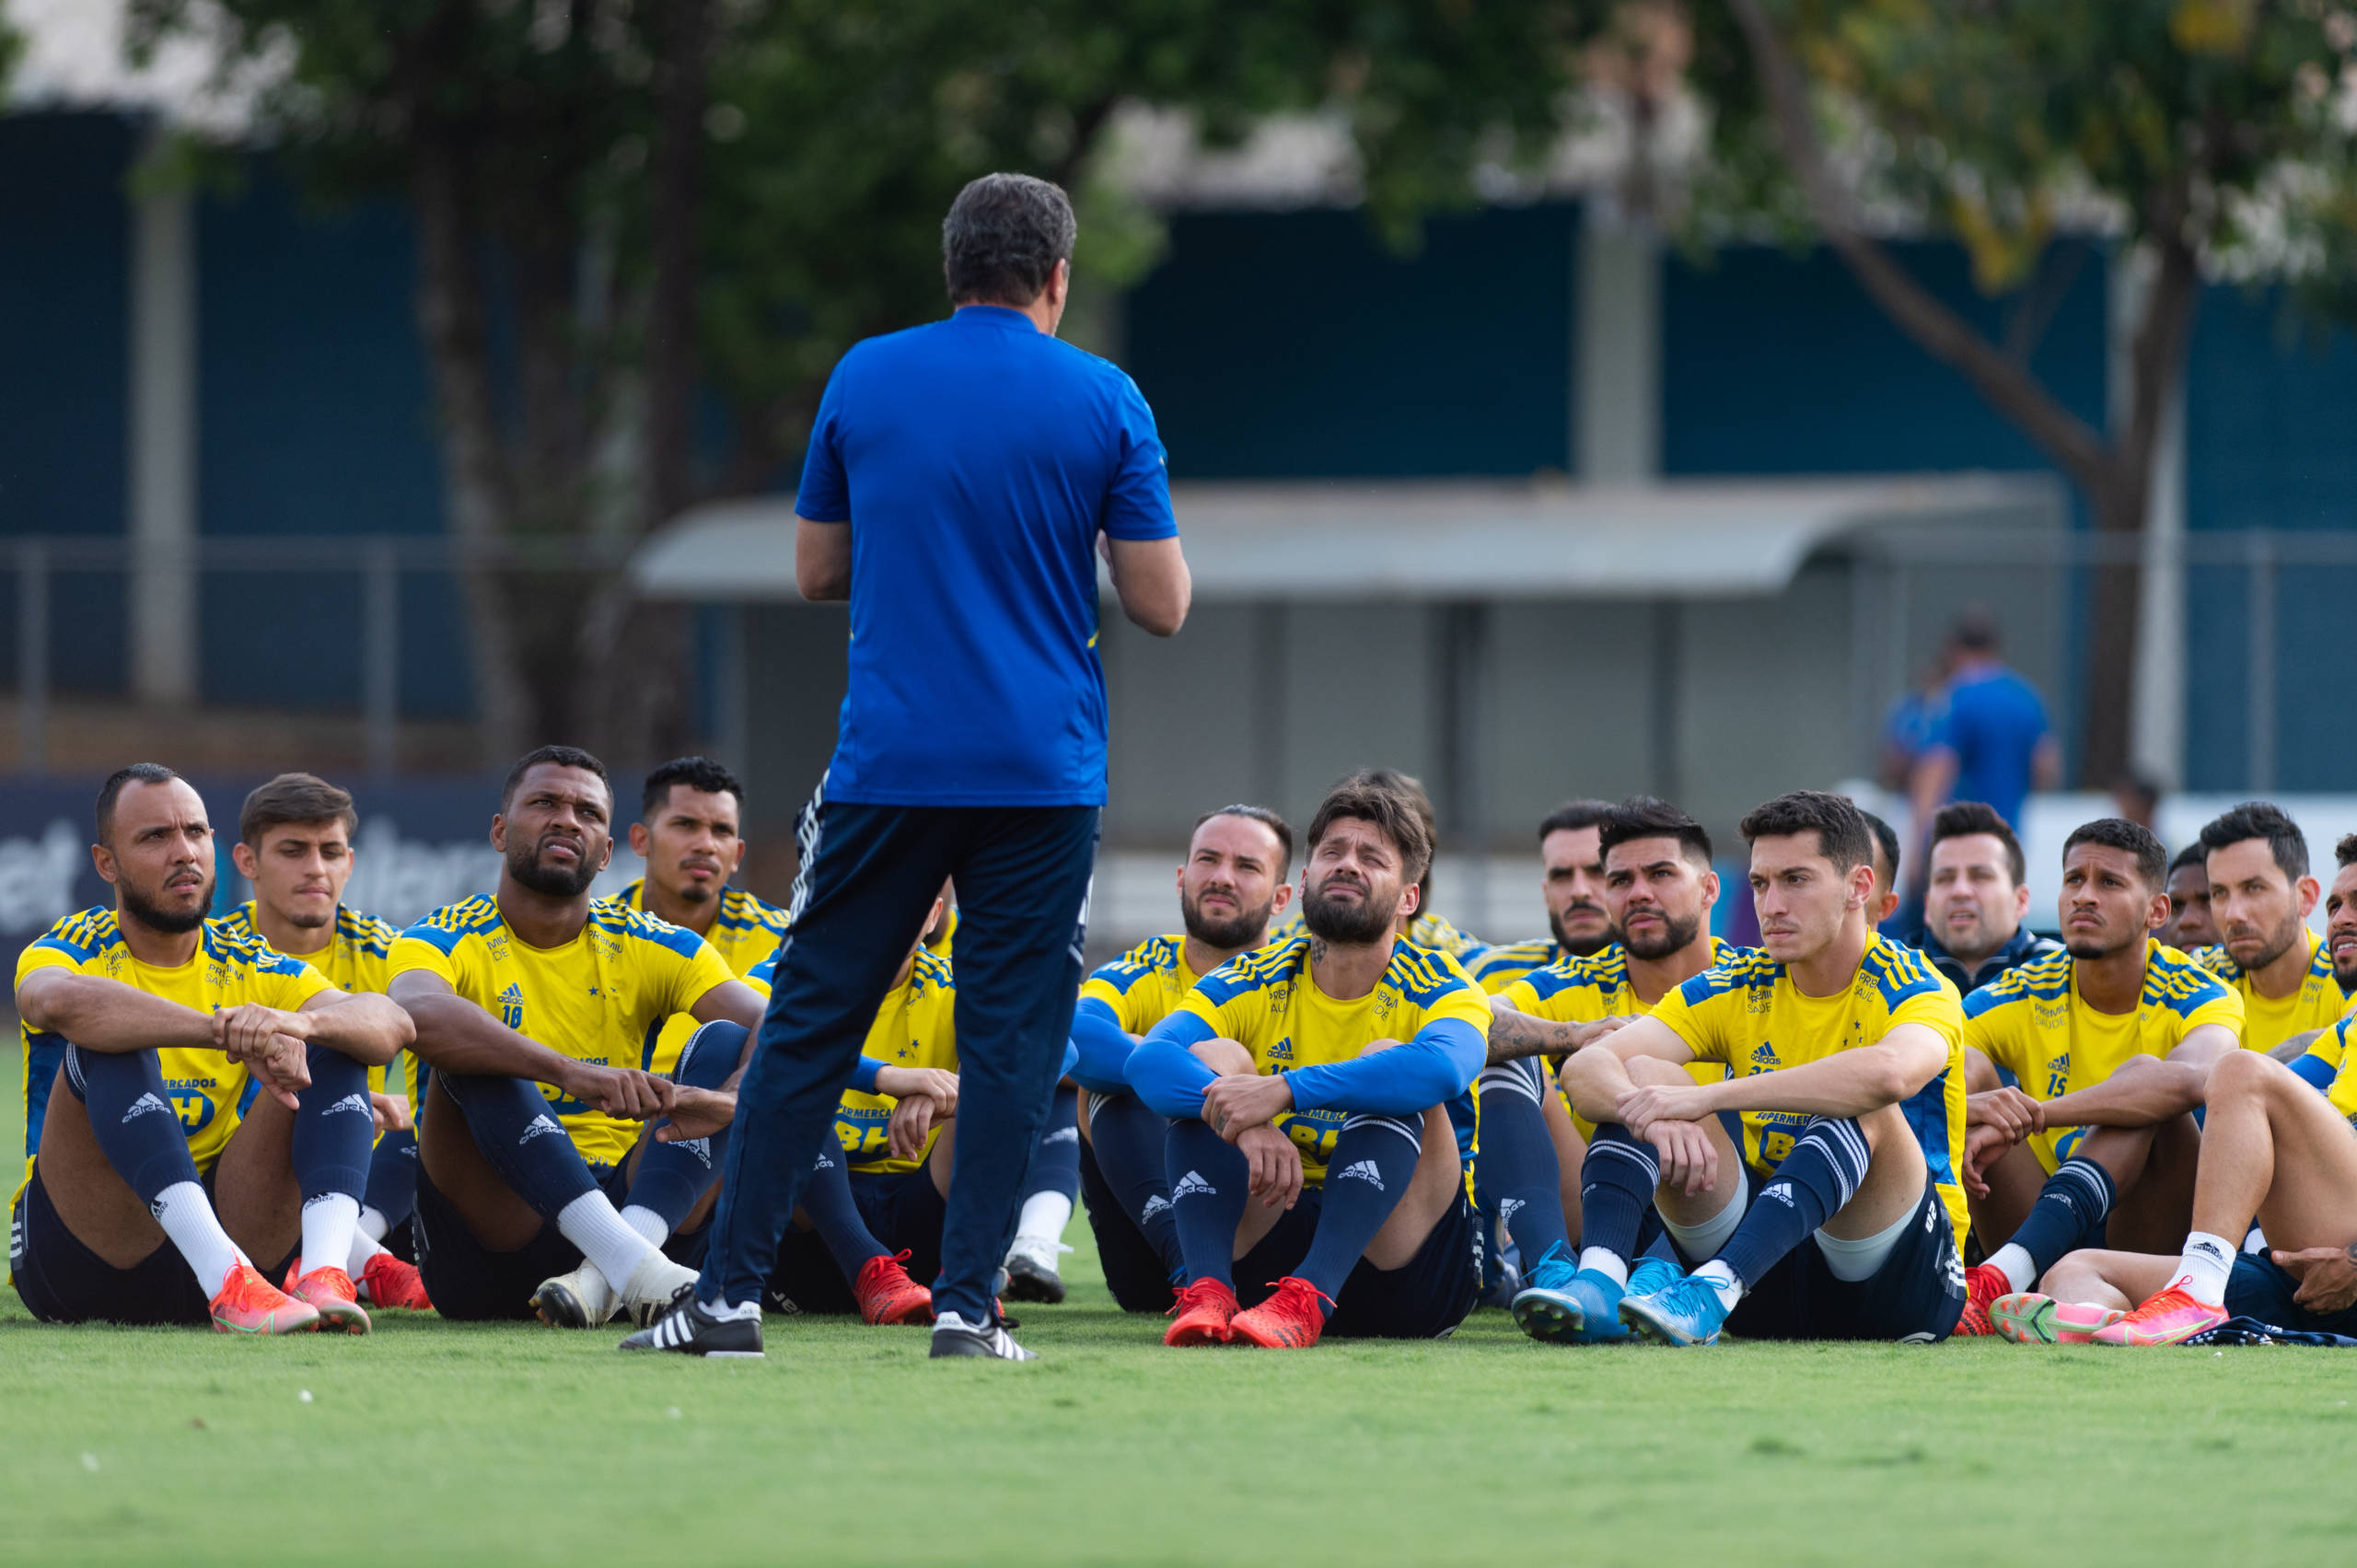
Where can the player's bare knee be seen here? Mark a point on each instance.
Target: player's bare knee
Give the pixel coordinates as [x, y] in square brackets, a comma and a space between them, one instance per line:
[1224, 1056]
[2240, 1074]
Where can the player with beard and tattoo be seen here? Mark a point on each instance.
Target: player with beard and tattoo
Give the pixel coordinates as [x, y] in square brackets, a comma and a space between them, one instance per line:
[1571, 881]
[1660, 891]
[1312, 1074]
[153, 1020]
[2260, 894]
[2109, 1042]
[1233, 884]
[555, 1173]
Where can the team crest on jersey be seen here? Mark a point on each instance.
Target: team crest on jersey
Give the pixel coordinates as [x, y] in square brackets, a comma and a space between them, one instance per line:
[511, 1007]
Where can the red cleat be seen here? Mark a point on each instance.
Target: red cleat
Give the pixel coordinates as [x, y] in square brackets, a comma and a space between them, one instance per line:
[887, 1295]
[1204, 1311]
[1983, 1283]
[391, 1283]
[248, 1304]
[1291, 1319]
[337, 1299]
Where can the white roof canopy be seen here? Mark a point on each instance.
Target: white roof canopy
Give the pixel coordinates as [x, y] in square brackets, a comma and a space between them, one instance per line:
[1688, 538]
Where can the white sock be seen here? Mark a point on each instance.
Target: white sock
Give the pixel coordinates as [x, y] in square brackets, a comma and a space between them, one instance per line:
[372, 1224]
[2256, 1241]
[364, 1246]
[1610, 1264]
[2202, 1272]
[647, 1223]
[2016, 1263]
[612, 1248]
[330, 1221]
[734, 1311]
[188, 1218]
[1044, 1217]
[1721, 1278]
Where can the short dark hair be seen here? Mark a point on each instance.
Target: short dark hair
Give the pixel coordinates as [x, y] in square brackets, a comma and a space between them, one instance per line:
[137, 773]
[1969, 819]
[1003, 237]
[1267, 819]
[2195, 854]
[2259, 819]
[1574, 815]
[1886, 838]
[1650, 816]
[293, 797]
[2344, 854]
[1843, 836]
[1368, 797]
[2118, 832]
[699, 773]
[554, 756]
[1975, 630]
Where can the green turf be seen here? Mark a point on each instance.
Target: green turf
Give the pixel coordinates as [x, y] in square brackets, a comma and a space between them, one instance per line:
[431, 1443]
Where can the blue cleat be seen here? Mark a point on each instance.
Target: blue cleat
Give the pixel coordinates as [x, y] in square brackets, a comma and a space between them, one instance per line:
[1686, 1311]
[1567, 1306]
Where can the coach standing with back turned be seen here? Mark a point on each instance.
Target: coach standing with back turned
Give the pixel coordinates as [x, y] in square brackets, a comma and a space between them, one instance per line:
[958, 478]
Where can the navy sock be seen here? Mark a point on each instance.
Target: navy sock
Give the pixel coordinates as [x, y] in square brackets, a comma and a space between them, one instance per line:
[1375, 1158]
[132, 1117]
[1514, 1165]
[1128, 1139]
[512, 1124]
[1616, 1189]
[393, 1177]
[833, 1213]
[672, 1177]
[334, 1127]
[1055, 1162]
[2075, 1200]
[1810, 1186]
[1208, 1186]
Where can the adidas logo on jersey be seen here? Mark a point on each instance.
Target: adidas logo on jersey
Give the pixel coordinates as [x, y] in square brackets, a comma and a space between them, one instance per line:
[1191, 1182]
[540, 1128]
[145, 1105]
[1360, 1170]
[353, 1103]
[1062, 1135]
[1765, 1056]
[1782, 1191]
[2061, 1065]
[1154, 1204]
[1282, 1051]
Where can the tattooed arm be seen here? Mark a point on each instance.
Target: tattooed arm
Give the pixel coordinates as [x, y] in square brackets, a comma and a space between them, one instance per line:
[1513, 1034]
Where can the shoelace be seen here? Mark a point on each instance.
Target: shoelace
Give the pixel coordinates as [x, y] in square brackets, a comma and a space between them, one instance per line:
[1279, 1285]
[1194, 1295]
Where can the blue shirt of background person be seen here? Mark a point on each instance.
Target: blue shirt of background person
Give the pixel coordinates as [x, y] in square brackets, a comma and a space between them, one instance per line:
[975, 681]
[1990, 741]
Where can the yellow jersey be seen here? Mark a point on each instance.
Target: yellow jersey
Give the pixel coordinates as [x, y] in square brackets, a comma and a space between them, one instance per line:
[1748, 1014]
[2032, 1022]
[916, 1026]
[2342, 1090]
[939, 945]
[230, 968]
[598, 999]
[2269, 1021]
[1499, 966]
[1580, 991]
[358, 957]
[745, 934]
[1268, 1002]
[1145, 985]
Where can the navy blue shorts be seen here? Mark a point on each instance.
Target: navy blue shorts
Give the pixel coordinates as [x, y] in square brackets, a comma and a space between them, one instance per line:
[903, 1212]
[471, 1284]
[1133, 1270]
[2256, 1288]
[1425, 1298]
[63, 1281]
[1916, 1296]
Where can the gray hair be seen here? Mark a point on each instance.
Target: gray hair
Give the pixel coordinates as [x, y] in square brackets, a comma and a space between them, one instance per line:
[1003, 237]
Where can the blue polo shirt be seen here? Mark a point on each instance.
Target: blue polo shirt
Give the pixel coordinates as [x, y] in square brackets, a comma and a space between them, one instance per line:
[976, 460]
[1993, 721]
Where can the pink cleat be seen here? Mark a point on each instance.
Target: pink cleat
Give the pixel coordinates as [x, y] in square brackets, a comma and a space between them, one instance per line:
[2029, 1318]
[2169, 1318]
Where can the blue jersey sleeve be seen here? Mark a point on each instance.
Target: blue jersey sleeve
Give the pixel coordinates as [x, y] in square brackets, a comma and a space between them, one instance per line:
[1167, 1076]
[1432, 1069]
[2316, 1071]
[825, 492]
[1137, 503]
[1102, 1047]
[863, 1075]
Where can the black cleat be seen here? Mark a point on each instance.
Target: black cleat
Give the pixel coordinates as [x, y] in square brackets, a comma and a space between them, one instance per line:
[1029, 1280]
[952, 1335]
[690, 1328]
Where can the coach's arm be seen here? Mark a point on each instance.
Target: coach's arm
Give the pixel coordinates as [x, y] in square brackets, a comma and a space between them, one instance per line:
[455, 1035]
[1151, 579]
[822, 559]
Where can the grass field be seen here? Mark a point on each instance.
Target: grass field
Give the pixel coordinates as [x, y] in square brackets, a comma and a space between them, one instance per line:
[432, 1443]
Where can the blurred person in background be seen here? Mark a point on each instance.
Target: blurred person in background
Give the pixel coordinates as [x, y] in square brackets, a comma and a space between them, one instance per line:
[2136, 797]
[1991, 741]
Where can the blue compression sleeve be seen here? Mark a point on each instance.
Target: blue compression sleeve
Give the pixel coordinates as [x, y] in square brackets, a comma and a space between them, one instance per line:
[1103, 1046]
[1165, 1073]
[2316, 1071]
[1430, 1070]
[863, 1074]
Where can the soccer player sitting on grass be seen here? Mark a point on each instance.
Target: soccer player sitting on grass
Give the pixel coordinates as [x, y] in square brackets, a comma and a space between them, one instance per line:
[1836, 1219]
[2261, 895]
[2109, 1042]
[152, 1019]
[1660, 888]
[1232, 885]
[294, 846]
[2273, 1149]
[539, 1187]
[1311, 1076]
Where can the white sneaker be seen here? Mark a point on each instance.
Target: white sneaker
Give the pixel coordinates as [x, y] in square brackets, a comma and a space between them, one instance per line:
[652, 1287]
[581, 1299]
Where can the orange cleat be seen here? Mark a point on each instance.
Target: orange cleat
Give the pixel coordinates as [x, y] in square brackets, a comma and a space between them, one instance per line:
[333, 1293]
[1983, 1283]
[2171, 1317]
[1204, 1311]
[1289, 1320]
[887, 1295]
[391, 1283]
[248, 1304]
